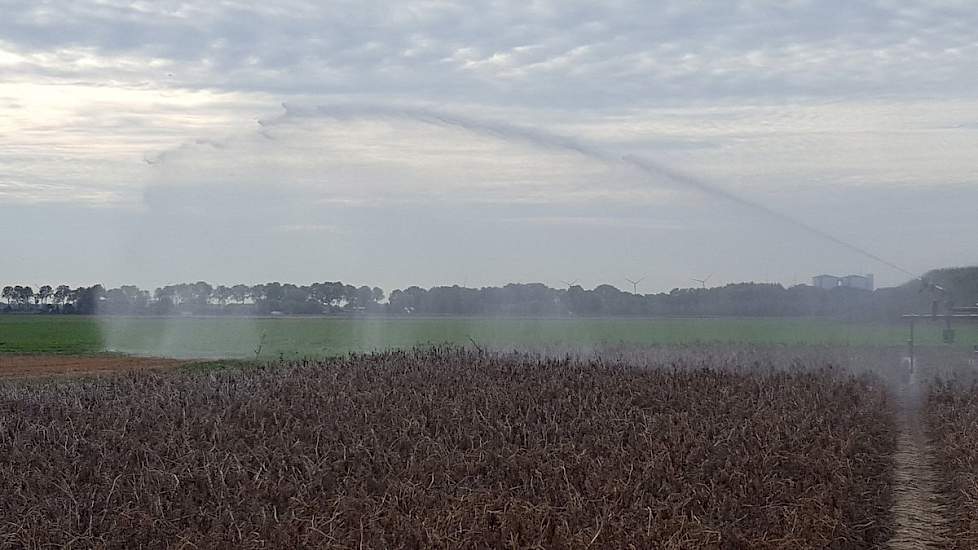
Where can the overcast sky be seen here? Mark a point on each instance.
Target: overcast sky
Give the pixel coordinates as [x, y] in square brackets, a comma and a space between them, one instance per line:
[439, 142]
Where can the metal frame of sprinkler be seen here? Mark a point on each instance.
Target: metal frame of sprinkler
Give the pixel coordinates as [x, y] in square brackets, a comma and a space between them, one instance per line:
[949, 313]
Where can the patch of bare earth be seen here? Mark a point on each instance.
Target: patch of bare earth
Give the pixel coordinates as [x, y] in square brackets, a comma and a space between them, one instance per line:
[919, 512]
[29, 366]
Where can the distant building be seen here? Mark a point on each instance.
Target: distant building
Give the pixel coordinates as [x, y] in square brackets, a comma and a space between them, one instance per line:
[825, 281]
[863, 282]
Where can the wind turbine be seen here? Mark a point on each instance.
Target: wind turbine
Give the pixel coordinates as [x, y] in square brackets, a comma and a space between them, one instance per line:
[702, 281]
[635, 283]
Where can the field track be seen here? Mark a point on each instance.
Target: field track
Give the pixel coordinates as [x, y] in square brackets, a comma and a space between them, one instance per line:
[919, 513]
[30, 366]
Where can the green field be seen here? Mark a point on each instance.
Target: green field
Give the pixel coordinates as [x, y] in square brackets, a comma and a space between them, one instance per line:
[67, 334]
[319, 336]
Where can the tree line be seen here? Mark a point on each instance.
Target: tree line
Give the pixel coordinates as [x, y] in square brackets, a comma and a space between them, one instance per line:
[534, 299]
[48, 299]
[200, 298]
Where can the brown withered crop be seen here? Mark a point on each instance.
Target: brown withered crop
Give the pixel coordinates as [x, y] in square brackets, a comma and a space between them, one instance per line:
[952, 417]
[447, 448]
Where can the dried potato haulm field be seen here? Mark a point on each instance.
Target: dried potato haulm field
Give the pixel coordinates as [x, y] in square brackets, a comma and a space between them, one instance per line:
[952, 416]
[447, 448]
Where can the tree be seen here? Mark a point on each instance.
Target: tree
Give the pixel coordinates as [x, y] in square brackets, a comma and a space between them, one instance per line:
[138, 299]
[274, 292]
[8, 294]
[88, 299]
[127, 299]
[183, 294]
[240, 293]
[61, 294]
[24, 295]
[116, 301]
[73, 297]
[164, 300]
[409, 300]
[222, 294]
[167, 293]
[44, 294]
[201, 292]
[329, 294]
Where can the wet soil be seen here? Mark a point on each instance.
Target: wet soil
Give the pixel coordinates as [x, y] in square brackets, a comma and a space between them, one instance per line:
[29, 366]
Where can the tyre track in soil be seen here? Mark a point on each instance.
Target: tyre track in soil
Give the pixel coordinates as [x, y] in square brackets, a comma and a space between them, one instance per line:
[919, 512]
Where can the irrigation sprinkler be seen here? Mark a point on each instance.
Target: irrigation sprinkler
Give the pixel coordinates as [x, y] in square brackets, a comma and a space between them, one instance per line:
[942, 309]
[948, 334]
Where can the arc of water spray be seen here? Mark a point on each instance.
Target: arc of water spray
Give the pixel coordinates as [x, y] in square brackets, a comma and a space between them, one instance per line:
[687, 180]
[544, 139]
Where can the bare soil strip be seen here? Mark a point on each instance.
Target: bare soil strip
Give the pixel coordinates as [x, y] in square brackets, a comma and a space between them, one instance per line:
[30, 366]
[918, 510]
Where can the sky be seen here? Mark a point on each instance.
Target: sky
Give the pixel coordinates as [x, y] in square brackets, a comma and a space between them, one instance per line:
[479, 143]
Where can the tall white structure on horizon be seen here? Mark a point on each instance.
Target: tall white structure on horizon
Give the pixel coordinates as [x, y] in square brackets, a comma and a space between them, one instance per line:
[825, 281]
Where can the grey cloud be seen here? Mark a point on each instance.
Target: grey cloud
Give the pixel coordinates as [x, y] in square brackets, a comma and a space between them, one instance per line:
[564, 54]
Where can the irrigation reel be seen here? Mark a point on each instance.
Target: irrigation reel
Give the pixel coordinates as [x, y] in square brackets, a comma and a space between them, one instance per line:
[942, 310]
